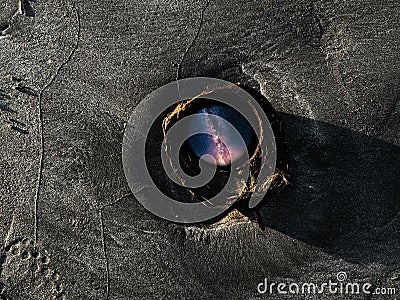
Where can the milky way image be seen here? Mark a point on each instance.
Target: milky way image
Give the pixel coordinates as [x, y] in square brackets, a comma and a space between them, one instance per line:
[217, 132]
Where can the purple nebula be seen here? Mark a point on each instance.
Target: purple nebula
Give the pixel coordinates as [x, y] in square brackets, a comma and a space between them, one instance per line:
[219, 137]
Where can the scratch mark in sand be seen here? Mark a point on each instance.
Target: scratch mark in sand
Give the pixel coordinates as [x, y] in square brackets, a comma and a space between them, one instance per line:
[40, 96]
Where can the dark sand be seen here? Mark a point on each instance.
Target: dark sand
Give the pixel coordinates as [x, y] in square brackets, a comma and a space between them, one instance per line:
[331, 68]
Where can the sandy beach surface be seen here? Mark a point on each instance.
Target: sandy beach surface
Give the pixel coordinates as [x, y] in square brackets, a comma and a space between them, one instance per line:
[72, 72]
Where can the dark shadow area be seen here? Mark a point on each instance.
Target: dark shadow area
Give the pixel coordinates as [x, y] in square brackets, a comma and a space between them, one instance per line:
[16, 78]
[27, 90]
[4, 96]
[27, 8]
[19, 130]
[6, 108]
[17, 122]
[344, 192]
[3, 26]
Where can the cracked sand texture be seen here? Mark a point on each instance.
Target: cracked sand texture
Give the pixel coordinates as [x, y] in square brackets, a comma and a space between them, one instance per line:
[330, 68]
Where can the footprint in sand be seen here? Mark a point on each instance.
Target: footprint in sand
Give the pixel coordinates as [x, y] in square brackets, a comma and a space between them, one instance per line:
[26, 273]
